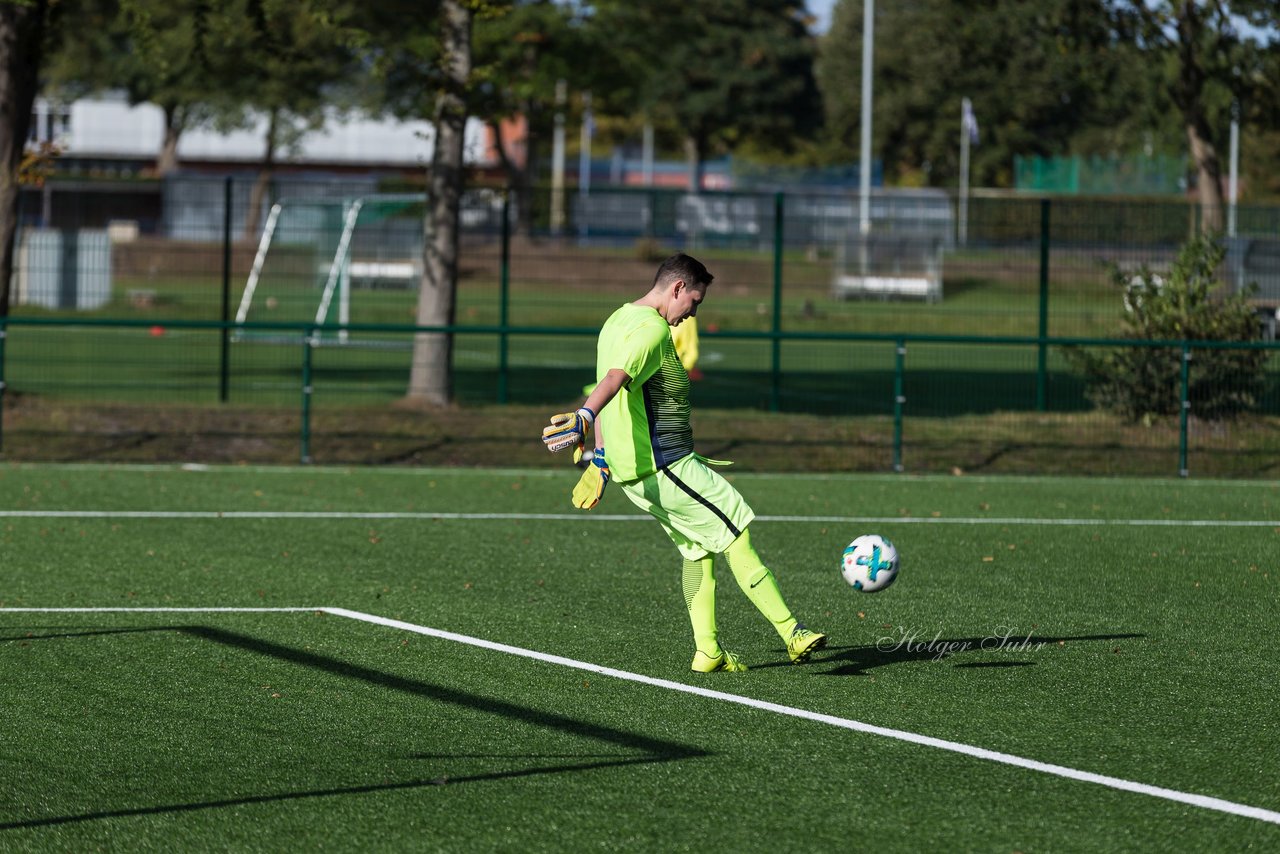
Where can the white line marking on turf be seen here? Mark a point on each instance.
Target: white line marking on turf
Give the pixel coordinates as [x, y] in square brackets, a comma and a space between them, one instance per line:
[1202, 801]
[4, 610]
[428, 515]
[441, 471]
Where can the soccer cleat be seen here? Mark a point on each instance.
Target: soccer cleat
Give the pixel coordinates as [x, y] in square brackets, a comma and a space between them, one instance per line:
[726, 661]
[804, 643]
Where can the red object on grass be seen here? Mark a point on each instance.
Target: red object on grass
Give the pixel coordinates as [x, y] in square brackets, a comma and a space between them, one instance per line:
[157, 331]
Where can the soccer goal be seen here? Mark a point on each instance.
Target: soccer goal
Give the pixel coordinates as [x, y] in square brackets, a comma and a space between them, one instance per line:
[315, 254]
[889, 267]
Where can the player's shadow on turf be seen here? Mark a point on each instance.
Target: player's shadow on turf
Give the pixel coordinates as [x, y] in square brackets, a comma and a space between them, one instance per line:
[656, 749]
[858, 660]
[315, 793]
[639, 749]
[84, 634]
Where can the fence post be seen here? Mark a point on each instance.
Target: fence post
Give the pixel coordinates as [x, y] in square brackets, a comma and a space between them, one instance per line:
[1042, 354]
[504, 285]
[775, 396]
[4, 333]
[899, 365]
[224, 376]
[1185, 410]
[308, 341]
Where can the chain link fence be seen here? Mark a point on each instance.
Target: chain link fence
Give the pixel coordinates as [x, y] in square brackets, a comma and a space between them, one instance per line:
[943, 353]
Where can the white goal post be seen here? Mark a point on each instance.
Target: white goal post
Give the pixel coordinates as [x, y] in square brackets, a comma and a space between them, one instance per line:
[310, 245]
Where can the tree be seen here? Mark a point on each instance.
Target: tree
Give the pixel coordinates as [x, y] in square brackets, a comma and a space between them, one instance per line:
[430, 375]
[291, 66]
[1205, 51]
[170, 53]
[1039, 72]
[721, 72]
[421, 55]
[1143, 382]
[23, 26]
[520, 57]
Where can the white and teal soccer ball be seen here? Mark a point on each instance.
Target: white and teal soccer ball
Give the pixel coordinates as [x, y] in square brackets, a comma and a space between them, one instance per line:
[870, 563]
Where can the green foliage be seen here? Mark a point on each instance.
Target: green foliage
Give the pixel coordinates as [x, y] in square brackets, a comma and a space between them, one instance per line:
[222, 66]
[1143, 382]
[721, 72]
[1045, 77]
[154, 50]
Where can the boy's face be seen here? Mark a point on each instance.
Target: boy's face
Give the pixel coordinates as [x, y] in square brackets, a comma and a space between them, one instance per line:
[684, 302]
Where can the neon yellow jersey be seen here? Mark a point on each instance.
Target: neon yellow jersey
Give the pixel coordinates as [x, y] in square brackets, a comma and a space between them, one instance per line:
[646, 426]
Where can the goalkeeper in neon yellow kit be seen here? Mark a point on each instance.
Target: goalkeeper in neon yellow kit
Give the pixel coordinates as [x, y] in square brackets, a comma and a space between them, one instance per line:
[644, 442]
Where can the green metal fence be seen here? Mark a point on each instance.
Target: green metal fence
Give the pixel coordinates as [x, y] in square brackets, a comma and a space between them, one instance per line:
[881, 378]
[911, 327]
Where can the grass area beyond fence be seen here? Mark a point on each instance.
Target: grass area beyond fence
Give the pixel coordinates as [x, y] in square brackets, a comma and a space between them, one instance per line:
[1027, 291]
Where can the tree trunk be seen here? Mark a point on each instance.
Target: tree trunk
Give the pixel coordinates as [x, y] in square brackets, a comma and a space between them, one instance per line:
[1208, 178]
[524, 197]
[259, 192]
[693, 157]
[430, 379]
[174, 124]
[1188, 94]
[21, 40]
[519, 180]
[522, 182]
[693, 149]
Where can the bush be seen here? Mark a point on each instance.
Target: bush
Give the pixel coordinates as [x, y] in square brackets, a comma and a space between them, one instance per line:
[1139, 383]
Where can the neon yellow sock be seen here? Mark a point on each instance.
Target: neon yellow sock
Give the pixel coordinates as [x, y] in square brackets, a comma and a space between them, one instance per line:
[758, 583]
[700, 595]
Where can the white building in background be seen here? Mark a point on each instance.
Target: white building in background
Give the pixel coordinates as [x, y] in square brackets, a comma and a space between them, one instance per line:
[107, 132]
[105, 137]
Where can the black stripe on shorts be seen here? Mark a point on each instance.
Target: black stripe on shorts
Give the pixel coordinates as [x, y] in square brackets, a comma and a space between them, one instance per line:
[688, 490]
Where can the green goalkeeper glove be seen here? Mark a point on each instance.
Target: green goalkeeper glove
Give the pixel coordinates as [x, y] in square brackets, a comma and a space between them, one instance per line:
[595, 478]
[568, 429]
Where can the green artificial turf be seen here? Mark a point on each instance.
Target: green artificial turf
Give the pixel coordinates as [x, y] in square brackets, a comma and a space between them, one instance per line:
[1150, 659]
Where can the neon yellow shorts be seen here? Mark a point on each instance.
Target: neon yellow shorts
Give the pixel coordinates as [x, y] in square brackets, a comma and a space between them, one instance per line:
[700, 511]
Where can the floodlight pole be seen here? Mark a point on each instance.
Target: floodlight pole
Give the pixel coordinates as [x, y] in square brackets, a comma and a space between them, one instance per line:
[962, 227]
[224, 374]
[557, 161]
[1233, 183]
[864, 164]
[646, 171]
[584, 164]
[646, 157]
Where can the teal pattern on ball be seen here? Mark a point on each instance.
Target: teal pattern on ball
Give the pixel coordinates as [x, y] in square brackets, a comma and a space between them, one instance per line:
[873, 563]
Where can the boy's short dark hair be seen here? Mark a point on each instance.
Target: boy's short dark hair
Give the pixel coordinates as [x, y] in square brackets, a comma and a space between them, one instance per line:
[685, 267]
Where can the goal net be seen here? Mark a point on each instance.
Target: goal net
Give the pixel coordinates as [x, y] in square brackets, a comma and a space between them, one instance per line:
[889, 267]
[334, 262]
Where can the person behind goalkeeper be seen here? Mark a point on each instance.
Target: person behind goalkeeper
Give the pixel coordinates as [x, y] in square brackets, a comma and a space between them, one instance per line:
[640, 410]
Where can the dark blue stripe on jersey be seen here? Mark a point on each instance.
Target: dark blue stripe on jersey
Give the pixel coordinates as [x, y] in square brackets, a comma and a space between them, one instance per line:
[666, 409]
[651, 419]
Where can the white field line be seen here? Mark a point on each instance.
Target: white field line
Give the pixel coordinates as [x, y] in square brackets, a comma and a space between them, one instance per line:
[124, 610]
[429, 515]
[441, 471]
[1202, 801]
